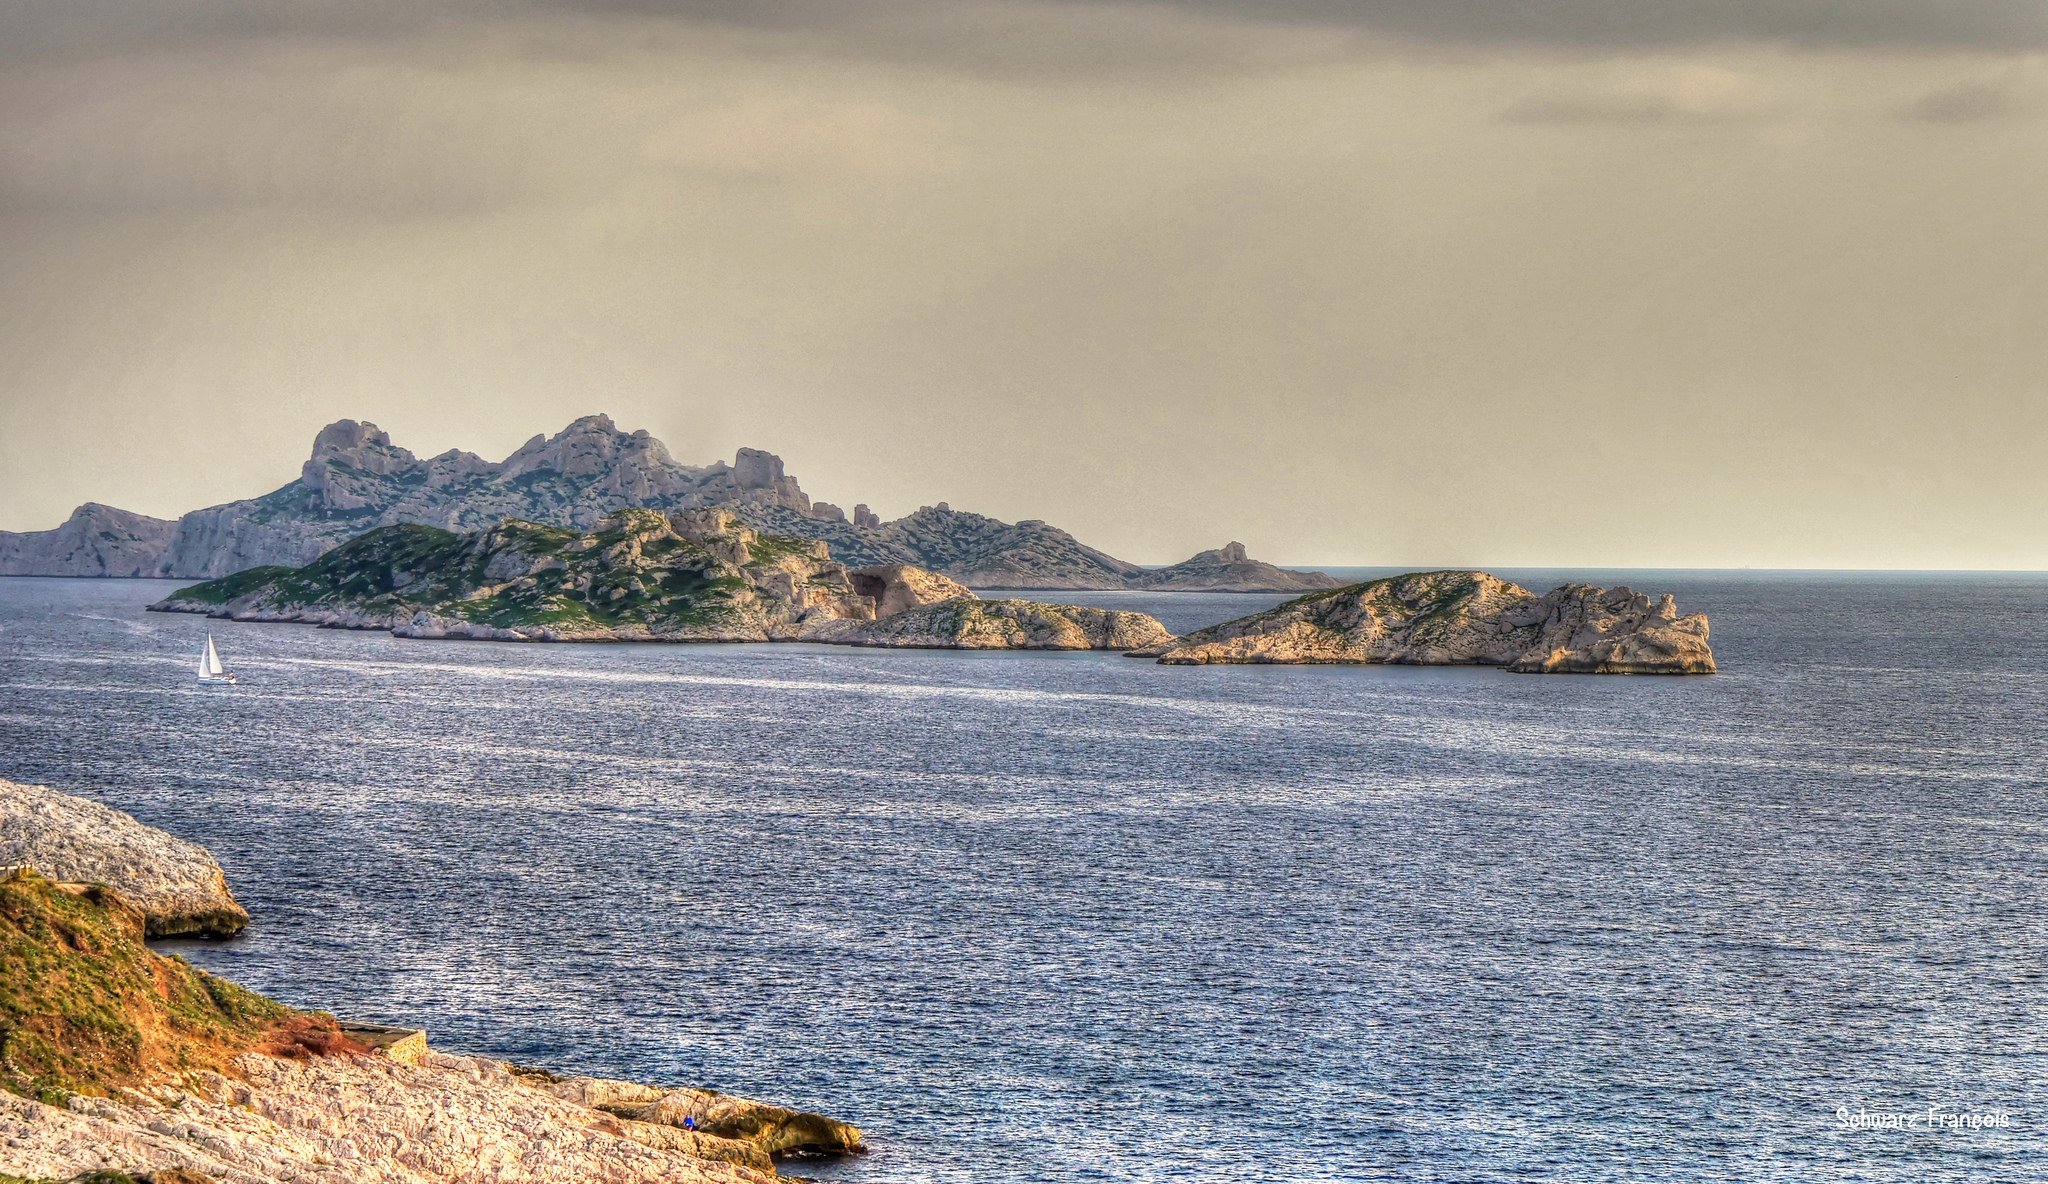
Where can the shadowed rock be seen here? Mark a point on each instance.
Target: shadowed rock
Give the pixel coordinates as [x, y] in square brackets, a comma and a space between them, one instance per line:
[897, 587]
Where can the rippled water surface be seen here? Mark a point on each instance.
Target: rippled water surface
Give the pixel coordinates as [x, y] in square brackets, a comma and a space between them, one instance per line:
[1032, 917]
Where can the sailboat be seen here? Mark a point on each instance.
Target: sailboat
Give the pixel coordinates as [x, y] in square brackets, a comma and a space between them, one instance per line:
[209, 665]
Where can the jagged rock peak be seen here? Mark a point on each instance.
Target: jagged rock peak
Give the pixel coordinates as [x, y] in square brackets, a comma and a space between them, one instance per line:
[756, 471]
[587, 447]
[359, 445]
[1231, 553]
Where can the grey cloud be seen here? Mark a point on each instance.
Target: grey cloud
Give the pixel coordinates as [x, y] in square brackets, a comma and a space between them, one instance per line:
[1673, 94]
[1945, 24]
[1599, 108]
[1597, 24]
[1100, 34]
[1965, 102]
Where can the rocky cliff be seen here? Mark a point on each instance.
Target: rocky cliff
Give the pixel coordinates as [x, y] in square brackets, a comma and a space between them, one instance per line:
[357, 480]
[639, 575]
[1462, 618]
[177, 886]
[1229, 569]
[96, 540]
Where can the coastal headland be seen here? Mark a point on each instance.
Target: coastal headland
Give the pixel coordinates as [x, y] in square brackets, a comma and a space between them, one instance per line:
[117, 1059]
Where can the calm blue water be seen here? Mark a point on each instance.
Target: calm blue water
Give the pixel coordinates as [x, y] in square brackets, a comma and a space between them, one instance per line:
[1079, 917]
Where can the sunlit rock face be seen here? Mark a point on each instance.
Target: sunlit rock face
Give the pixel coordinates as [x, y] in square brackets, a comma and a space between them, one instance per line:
[177, 885]
[1462, 618]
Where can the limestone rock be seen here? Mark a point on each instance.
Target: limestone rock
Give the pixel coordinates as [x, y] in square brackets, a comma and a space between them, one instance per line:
[177, 885]
[357, 480]
[896, 587]
[96, 540]
[1229, 569]
[775, 1130]
[978, 551]
[972, 624]
[1461, 618]
[768, 1130]
[358, 1120]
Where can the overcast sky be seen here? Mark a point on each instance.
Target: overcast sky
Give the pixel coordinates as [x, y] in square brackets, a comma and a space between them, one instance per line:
[1593, 282]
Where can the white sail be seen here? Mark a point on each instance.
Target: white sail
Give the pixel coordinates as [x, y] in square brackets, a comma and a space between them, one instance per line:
[209, 667]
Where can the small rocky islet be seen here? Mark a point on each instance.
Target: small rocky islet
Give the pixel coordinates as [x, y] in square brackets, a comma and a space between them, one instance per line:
[1460, 618]
[118, 1063]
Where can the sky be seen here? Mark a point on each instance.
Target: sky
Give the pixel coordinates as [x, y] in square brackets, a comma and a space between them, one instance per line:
[1617, 283]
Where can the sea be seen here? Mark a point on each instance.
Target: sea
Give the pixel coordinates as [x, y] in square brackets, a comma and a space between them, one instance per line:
[1080, 917]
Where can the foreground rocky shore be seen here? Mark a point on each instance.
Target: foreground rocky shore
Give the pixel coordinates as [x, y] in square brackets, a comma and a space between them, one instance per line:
[1461, 618]
[117, 1059]
[641, 575]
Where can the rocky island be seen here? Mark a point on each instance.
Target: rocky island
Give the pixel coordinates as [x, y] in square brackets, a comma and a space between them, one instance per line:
[119, 1064]
[642, 575]
[1461, 618]
[357, 480]
[1229, 569]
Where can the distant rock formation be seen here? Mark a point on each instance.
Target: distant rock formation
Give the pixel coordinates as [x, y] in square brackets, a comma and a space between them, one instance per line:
[1229, 569]
[177, 885]
[978, 551]
[639, 575]
[96, 540]
[357, 480]
[1462, 618]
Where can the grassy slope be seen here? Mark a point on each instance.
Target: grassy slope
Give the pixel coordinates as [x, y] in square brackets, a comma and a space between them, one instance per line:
[85, 1007]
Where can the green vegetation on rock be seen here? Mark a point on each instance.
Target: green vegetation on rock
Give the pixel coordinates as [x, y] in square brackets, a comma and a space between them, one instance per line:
[85, 1007]
[698, 575]
[1461, 618]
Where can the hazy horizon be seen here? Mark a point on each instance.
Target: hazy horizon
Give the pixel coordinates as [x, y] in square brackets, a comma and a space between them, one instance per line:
[1598, 284]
